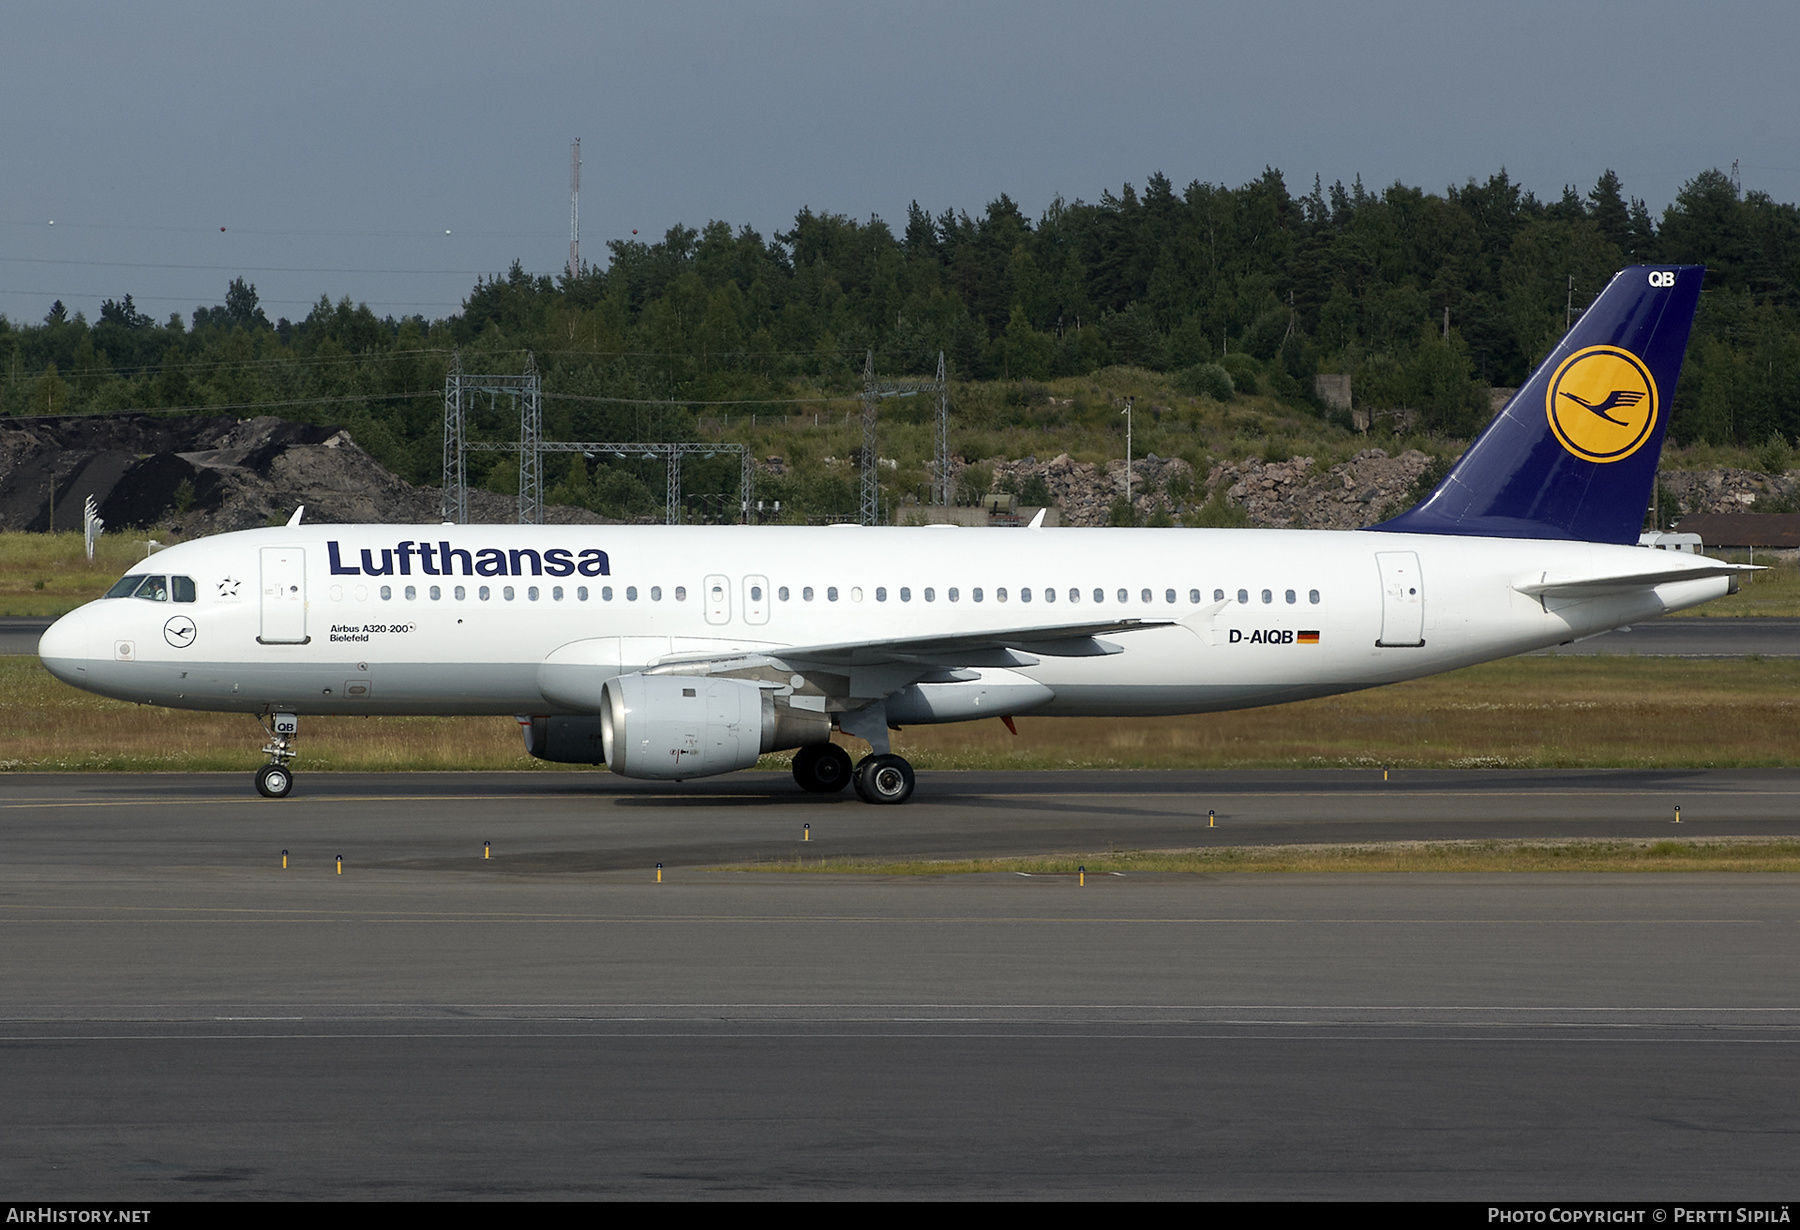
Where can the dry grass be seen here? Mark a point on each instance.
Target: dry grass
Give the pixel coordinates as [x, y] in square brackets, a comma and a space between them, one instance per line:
[1721, 854]
[49, 574]
[1772, 593]
[47, 725]
[1523, 713]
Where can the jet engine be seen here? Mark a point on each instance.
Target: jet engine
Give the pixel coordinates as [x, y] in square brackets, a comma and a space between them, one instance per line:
[566, 740]
[672, 727]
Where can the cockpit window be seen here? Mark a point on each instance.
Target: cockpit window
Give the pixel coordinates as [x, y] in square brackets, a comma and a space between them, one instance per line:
[182, 588]
[123, 587]
[153, 589]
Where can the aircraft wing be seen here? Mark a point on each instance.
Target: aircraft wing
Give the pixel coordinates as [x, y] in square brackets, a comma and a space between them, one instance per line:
[949, 651]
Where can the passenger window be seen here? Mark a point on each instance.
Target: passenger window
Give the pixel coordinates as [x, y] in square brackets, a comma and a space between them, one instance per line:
[1243, 595]
[1124, 595]
[1168, 595]
[856, 593]
[605, 593]
[486, 593]
[182, 588]
[930, 594]
[953, 594]
[1025, 595]
[387, 593]
[806, 594]
[755, 593]
[630, 593]
[531, 592]
[1145, 596]
[1218, 595]
[580, 593]
[1267, 597]
[1000, 595]
[681, 593]
[1290, 597]
[1049, 594]
[462, 593]
[1312, 596]
[1099, 595]
[1074, 594]
[831, 593]
[507, 592]
[976, 593]
[655, 593]
[436, 593]
[905, 594]
[881, 593]
[1194, 596]
[781, 593]
[555, 593]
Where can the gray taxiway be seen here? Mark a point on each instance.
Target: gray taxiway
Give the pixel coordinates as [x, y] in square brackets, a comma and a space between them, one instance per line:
[180, 1016]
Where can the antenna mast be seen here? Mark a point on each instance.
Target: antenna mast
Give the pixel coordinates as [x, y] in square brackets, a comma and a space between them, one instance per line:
[575, 210]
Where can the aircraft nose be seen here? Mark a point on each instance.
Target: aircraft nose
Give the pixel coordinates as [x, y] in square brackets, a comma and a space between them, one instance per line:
[66, 646]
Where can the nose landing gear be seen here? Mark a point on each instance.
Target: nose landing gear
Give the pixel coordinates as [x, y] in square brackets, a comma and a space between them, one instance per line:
[275, 780]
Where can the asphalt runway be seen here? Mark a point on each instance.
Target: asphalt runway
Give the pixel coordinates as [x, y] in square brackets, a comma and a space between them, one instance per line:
[1680, 638]
[180, 1017]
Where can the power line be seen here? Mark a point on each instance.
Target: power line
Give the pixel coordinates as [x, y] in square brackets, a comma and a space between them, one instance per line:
[243, 405]
[685, 401]
[249, 230]
[57, 260]
[71, 294]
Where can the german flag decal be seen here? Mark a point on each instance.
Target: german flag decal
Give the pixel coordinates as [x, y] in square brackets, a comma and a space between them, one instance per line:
[1308, 638]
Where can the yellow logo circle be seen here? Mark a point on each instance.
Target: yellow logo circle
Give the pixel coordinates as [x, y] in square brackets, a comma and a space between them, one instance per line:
[1602, 403]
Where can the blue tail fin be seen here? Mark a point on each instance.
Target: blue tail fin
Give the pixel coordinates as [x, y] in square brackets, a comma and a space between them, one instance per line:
[1574, 453]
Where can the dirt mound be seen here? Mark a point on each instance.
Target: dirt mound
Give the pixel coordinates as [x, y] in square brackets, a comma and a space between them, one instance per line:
[207, 475]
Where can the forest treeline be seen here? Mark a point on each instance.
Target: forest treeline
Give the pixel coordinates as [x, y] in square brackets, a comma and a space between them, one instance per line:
[1426, 299]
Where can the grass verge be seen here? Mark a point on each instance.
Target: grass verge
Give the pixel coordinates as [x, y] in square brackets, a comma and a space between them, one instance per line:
[1697, 854]
[1599, 712]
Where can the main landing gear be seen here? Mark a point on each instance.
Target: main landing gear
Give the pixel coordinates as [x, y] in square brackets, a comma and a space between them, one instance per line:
[275, 780]
[824, 768]
[884, 778]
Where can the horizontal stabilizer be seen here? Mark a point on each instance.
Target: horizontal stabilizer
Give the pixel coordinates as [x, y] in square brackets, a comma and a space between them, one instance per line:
[1594, 587]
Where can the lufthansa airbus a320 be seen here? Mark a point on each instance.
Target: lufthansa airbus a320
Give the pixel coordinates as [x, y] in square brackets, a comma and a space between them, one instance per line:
[682, 652]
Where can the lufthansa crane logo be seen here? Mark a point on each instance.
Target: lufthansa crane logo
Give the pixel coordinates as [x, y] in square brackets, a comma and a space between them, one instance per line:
[1602, 403]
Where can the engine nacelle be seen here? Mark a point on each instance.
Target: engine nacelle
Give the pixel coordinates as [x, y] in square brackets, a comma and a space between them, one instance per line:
[566, 740]
[672, 727]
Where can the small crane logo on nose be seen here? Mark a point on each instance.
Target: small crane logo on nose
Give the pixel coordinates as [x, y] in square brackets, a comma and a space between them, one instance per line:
[179, 632]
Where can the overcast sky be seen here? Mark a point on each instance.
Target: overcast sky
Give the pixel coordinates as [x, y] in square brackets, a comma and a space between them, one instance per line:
[395, 152]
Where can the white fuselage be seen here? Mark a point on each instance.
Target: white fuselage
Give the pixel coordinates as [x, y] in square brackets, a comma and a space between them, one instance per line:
[420, 637]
